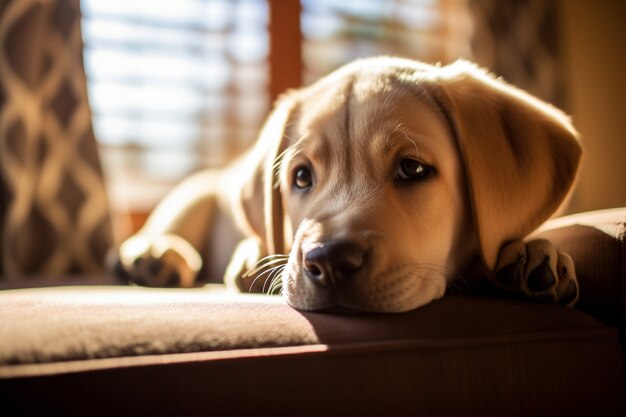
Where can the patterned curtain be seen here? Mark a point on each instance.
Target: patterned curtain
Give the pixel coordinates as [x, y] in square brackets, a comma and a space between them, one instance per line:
[54, 216]
[518, 39]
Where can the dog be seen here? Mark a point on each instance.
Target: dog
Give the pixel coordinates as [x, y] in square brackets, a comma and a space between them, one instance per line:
[372, 190]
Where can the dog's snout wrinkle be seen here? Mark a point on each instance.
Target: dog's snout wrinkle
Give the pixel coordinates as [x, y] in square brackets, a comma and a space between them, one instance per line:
[333, 263]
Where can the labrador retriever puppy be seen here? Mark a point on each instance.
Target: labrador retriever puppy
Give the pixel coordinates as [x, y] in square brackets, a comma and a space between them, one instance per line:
[372, 190]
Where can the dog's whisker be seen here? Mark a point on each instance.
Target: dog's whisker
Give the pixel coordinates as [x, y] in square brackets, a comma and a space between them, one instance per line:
[269, 278]
[278, 161]
[258, 277]
[278, 288]
[253, 282]
[274, 256]
[268, 271]
[272, 274]
[263, 266]
[265, 262]
[275, 279]
[277, 284]
[397, 127]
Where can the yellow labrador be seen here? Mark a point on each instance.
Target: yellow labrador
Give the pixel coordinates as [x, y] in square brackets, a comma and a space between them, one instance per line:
[374, 188]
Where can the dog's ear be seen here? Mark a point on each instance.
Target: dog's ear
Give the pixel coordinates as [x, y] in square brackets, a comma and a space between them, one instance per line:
[261, 199]
[521, 154]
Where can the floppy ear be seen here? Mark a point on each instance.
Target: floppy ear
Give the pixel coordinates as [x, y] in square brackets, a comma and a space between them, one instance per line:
[260, 197]
[520, 153]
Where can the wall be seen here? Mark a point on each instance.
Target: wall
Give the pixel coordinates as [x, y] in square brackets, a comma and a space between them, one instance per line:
[594, 39]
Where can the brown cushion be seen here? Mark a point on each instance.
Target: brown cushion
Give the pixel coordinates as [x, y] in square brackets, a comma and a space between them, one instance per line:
[75, 323]
[597, 242]
[121, 349]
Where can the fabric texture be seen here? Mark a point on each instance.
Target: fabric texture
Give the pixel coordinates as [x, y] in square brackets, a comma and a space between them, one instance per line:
[104, 322]
[519, 40]
[458, 355]
[54, 216]
[85, 350]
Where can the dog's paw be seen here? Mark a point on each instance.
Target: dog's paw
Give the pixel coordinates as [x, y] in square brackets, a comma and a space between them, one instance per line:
[537, 270]
[166, 261]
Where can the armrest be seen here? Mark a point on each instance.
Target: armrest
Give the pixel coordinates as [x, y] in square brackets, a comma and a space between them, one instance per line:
[596, 242]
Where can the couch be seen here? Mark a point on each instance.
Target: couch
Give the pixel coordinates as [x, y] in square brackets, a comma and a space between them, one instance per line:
[119, 350]
[75, 342]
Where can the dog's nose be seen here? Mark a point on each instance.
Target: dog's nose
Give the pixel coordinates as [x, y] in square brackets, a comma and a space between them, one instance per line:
[333, 262]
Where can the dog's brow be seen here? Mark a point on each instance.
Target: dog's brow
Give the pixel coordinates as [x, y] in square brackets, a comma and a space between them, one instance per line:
[298, 146]
[390, 140]
[388, 143]
[313, 147]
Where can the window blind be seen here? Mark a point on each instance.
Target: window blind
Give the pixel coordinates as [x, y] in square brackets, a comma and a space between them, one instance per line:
[176, 86]
[338, 31]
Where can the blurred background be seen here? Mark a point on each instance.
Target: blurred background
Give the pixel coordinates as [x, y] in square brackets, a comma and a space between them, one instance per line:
[176, 86]
[179, 86]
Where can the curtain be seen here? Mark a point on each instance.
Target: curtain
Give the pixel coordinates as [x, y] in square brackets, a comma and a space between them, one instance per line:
[55, 214]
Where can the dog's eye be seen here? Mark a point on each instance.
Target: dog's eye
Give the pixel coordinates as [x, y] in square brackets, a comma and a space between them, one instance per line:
[302, 177]
[410, 169]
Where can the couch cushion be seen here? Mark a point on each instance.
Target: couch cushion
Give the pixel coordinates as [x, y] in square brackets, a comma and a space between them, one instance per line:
[138, 350]
[596, 241]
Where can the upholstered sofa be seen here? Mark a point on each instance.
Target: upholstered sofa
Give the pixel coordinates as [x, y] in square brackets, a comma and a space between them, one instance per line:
[73, 342]
[94, 349]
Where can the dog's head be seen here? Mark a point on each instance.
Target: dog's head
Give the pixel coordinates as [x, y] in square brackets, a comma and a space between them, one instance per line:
[383, 179]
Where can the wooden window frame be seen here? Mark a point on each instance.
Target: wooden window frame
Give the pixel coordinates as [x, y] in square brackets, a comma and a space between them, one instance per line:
[285, 53]
[285, 64]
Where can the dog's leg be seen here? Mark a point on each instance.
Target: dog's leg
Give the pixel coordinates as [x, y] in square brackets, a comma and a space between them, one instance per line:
[163, 261]
[166, 251]
[249, 270]
[537, 270]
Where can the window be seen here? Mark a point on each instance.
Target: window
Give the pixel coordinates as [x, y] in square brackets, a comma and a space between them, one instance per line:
[337, 31]
[176, 86]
